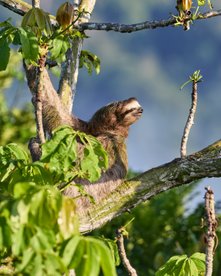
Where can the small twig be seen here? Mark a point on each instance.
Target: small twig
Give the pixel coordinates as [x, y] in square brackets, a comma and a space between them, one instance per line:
[189, 122]
[120, 242]
[211, 237]
[38, 101]
[195, 78]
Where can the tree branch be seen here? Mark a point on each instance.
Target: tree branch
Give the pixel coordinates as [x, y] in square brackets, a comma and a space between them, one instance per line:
[205, 163]
[190, 120]
[211, 236]
[21, 7]
[69, 73]
[129, 28]
[126, 263]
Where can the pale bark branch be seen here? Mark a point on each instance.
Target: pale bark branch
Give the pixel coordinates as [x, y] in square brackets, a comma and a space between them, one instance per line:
[205, 163]
[70, 68]
[38, 107]
[190, 120]
[146, 25]
[69, 74]
[126, 263]
[211, 236]
[20, 7]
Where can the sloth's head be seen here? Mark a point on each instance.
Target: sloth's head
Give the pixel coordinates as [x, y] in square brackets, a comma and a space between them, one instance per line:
[116, 117]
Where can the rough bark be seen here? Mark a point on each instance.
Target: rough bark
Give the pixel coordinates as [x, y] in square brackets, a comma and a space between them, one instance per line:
[205, 163]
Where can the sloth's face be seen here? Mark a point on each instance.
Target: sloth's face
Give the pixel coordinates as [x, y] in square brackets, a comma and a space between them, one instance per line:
[116, 117]
[129, 112]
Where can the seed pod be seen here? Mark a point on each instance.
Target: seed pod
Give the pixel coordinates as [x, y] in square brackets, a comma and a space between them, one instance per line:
[65, 15]
[184, 6]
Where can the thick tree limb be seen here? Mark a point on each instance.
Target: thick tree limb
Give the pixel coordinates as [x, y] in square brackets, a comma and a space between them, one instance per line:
[205, 163]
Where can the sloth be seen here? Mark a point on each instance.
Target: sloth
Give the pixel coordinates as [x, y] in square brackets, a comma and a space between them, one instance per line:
[110, 125]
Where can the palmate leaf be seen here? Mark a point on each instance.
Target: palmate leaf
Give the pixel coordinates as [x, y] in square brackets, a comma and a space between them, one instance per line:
[61, 151]
[11, 156]
[183, 266]
[61, 154]
[88, 256]
[90, 61]
[68, 220]
[59, 46]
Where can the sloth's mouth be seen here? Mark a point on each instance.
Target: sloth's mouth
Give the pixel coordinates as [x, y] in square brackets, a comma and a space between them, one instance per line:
[138, 112]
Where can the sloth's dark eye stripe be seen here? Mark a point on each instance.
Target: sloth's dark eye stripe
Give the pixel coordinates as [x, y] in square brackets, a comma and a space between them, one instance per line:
[128, 111]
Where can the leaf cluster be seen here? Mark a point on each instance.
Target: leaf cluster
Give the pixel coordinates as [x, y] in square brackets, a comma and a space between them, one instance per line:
[184, 266]
[38, 225]
[37, 38]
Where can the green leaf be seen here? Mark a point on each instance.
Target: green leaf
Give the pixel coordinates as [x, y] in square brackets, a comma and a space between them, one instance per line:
[6, 23]
[106, 259]
[13, 152]
[29, 43]
[90, 263]
[183, 266]
[4, 54]
[113, 249]
[21, 239]
[45, 206]
[43, 240]
[28, 257]
[95, 158]
[57, 45]
[199, 256]
[68, 220]
[69, 250]
[61, 151]
[54, 265]
[80, 253]
[11, 157]
[173, 264]
[90, 61]
[199, 260]
[22, 188]
[5, 233]
[89, 165]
